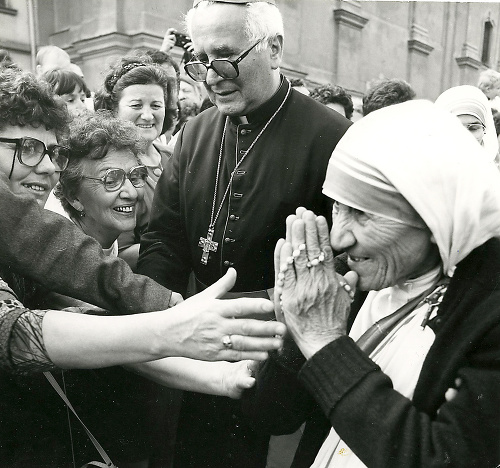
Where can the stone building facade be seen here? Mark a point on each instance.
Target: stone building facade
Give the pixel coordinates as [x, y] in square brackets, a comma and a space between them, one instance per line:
[432, 45]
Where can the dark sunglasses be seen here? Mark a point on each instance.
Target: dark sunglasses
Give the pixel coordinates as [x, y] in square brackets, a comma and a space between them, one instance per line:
[225, 68]
[114, 179]
[30, 152]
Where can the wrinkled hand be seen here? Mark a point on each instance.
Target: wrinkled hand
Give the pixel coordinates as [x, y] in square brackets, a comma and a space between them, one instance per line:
[313, 303]
[237, 377]
[201, 322]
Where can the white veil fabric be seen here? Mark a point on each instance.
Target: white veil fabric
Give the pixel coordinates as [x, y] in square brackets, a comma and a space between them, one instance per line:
[469, 100]
[424, 154]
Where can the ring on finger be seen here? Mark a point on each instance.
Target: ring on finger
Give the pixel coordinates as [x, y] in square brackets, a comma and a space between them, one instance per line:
[227, 342]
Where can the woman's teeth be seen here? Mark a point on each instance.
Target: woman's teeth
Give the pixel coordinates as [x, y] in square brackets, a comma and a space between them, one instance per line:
[357, 259]
[36, 188]
[124, 209]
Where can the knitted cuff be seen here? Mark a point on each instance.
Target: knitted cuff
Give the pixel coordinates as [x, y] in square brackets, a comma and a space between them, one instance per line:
[335, 370]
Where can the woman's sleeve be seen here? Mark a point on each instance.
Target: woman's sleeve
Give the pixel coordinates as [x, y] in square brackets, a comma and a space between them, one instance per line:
[53, 251]
[383, 428]
[22, 349]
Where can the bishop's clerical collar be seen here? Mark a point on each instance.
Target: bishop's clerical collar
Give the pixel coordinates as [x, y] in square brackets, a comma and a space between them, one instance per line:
[266, 110]
[237, 2]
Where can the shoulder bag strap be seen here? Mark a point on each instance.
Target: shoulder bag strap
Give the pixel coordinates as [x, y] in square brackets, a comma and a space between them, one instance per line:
[108, 463]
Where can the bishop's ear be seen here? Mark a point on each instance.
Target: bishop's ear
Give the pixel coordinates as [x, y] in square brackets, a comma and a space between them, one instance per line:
[276, 48]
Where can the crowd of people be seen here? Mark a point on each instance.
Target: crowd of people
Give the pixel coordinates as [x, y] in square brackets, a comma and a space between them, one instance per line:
[220, 266]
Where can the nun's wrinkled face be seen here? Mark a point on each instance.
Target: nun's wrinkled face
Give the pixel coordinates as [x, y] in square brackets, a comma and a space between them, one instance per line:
[474, 125]
[381, 251]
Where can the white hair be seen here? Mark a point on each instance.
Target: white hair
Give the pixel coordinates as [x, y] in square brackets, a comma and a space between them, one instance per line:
[263, 22]
[488, 79]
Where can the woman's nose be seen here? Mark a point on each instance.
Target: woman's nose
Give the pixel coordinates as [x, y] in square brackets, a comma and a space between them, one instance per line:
[341, 235]
[129, 191]
[146, 113]
[45, 166]
[81, 105]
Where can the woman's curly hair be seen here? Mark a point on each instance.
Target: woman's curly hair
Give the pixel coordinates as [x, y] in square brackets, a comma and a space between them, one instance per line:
[138, 70]
[91, 137]
[24, 100]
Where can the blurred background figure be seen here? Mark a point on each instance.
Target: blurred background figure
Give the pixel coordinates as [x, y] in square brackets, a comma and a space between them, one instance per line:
[190, 100]
[496, 121]
[76, 69]
[385, 93]
[334, 97]
[299, 85]
[70, 87]
[5, 59]
[489, 84]
[471, 107]
[50, 57]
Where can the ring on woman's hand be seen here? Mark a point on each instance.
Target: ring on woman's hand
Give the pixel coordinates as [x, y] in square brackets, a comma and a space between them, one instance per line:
[227, 342]
[316, 261]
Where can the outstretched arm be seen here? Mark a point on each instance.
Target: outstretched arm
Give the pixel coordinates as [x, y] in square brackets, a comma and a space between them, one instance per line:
[194, 329]
[54, 252]
[215, 378]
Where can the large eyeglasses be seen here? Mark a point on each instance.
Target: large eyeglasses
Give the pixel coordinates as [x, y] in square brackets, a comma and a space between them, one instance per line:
[225, 68]
[114, 179]
[475, 127]
[31, 151]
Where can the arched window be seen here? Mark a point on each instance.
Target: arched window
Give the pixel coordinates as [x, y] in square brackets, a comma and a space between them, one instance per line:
[487, 35]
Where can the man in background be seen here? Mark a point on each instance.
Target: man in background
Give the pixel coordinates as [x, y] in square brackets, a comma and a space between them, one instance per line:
[385, 93]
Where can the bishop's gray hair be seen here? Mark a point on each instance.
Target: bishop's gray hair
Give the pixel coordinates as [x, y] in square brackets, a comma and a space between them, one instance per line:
[263, 21]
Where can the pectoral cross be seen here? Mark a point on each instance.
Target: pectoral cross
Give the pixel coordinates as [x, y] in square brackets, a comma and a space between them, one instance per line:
[207, 245]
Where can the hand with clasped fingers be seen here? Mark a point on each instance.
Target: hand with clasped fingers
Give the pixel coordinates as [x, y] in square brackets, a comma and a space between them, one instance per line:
[310, 297]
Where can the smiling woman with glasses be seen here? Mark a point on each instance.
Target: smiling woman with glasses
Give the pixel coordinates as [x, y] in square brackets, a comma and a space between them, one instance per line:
[30, 155]
[104, 179]
[115, 178]
[100, 190]
[30, 152]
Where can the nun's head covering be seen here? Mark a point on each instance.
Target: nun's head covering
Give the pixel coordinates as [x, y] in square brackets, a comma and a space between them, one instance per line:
[469, 100]
[416, 164]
